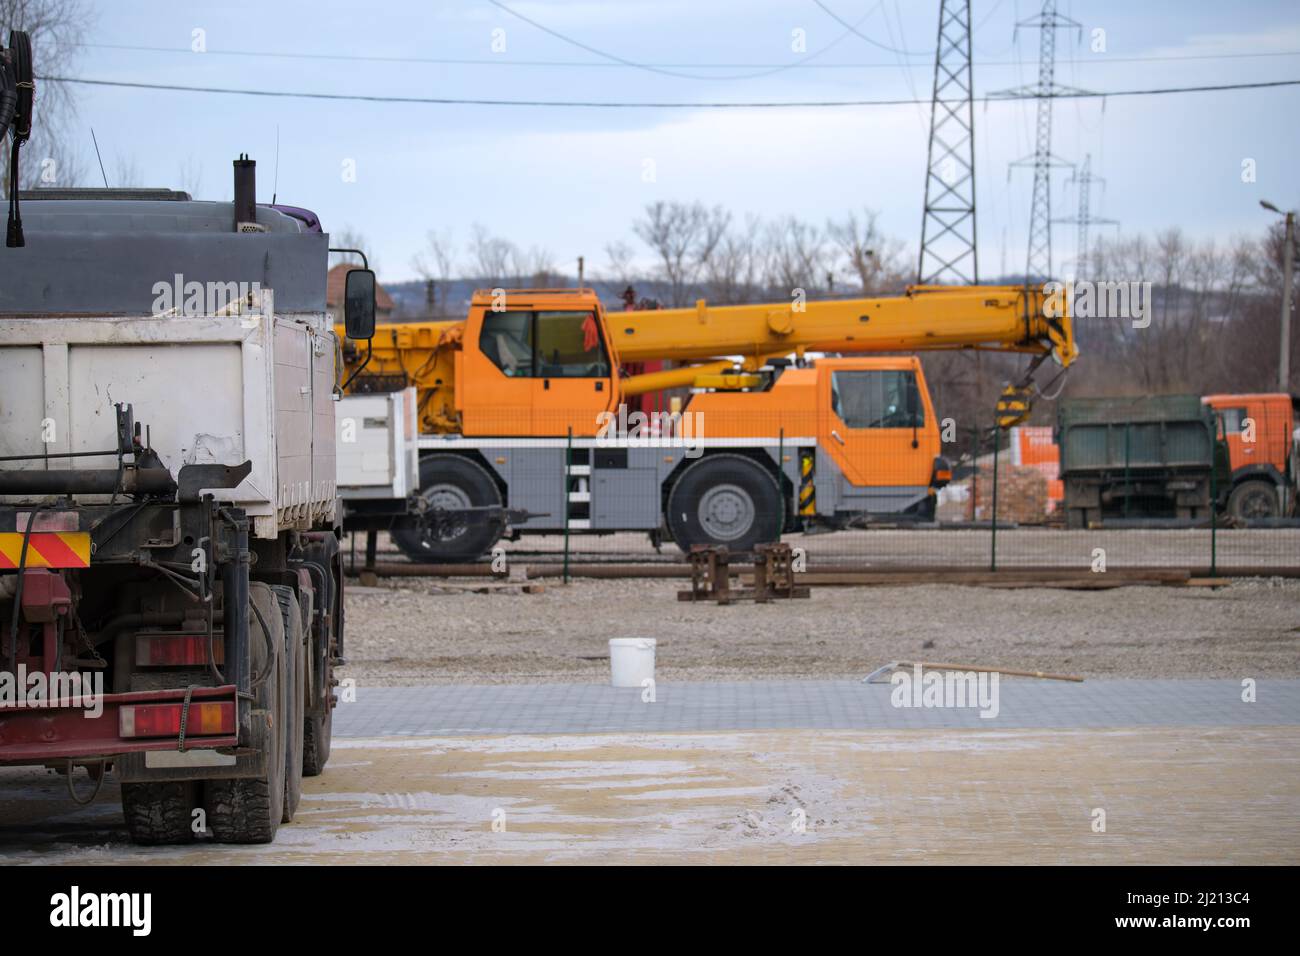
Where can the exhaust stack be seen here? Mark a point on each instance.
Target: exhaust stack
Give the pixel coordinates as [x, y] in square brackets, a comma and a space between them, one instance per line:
[246, 195]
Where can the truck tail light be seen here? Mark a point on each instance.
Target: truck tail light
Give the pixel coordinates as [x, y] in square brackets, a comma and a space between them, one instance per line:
[176, 650]
[164, 720]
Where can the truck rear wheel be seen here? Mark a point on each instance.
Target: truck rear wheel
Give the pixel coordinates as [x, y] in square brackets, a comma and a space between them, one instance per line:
[725, 500]
[295, 672]
[249, 809]
[1253, 499]
[450, 484]
[316, 743]
[159, 814]
[318, 727]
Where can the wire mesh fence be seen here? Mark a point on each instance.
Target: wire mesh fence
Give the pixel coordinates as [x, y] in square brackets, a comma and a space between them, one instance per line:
[855, 472]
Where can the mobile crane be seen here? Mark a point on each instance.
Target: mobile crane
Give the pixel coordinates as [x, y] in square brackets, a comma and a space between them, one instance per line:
[522, 405]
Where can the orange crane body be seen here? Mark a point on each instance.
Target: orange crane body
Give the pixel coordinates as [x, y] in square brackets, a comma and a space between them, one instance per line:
[796, 439]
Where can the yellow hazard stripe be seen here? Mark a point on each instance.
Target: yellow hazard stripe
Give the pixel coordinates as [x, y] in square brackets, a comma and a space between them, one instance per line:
[46, 549]
[807, 504]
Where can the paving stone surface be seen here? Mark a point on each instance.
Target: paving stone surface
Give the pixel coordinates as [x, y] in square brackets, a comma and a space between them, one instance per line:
[805, 705]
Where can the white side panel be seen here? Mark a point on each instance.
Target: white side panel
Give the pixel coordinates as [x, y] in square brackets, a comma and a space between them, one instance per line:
[377, 452]
[210, 389]
[166, 386]
[364, 440]
[324, 471]
[22, 404]
[201, 386]
[293, 421]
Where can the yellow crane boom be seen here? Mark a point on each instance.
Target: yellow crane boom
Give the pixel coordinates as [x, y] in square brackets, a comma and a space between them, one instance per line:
[710, 340]
[996, 318]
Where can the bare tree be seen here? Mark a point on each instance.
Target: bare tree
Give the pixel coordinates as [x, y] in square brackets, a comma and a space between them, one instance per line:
[733, 272]
[350, 238]
[492, 259]
[125, 172]
[57, 29]
[797, 256]
[682, 236]
[873, 259]
[620, 267]
[190, 175]
[536, 268]
[435, 264]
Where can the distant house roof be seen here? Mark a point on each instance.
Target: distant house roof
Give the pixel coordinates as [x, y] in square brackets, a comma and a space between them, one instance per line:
[336, 281]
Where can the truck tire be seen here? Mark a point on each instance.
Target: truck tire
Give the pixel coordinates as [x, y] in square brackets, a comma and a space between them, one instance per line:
[316, 743]
[296, 680]
[725, 500]
[317, 728]
[1253, 499]
[450, 482]
[159, 814]
[249, 809]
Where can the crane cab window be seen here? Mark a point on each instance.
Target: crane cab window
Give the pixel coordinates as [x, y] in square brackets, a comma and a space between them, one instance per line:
[569, 346]
[544, 344]
[884, 398]
[507, 339]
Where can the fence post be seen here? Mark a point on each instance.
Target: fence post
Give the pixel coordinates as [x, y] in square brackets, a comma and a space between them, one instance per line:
[780, 476]
[568, 462]
[1128, 489]
[1214, 513]
[993, 541]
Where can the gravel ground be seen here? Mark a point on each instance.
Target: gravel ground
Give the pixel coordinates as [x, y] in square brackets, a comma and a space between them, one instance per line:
[410, 631]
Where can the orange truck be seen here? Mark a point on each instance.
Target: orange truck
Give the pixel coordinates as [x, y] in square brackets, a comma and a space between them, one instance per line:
[791, 422]
[1260, 432]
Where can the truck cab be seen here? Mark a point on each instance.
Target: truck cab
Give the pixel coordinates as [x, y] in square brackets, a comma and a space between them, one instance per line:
[536, 363]
[1258, 429]
[876, 440]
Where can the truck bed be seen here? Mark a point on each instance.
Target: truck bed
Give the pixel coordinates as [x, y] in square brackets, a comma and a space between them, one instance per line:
[225, 389]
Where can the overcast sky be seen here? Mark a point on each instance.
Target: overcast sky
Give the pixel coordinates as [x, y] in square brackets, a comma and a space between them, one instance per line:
[571, 180]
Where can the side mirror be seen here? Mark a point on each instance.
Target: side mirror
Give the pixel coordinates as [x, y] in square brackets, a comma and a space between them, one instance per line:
[359, 305]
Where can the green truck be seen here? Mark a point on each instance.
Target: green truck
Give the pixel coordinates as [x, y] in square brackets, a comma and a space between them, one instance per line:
[1152, 456]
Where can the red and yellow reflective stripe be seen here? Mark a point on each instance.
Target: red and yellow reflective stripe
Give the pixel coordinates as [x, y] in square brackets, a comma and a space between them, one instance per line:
[46, 549]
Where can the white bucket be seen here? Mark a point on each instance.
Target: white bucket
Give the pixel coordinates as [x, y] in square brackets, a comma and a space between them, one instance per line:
[631, 660]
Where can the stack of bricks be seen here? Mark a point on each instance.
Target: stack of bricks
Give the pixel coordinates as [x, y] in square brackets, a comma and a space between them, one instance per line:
[1022, 495]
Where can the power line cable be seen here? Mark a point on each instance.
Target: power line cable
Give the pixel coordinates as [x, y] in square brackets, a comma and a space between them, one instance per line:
[907, 77]
[617, 60]
[852, 28]
[663, 104]
[803, 64]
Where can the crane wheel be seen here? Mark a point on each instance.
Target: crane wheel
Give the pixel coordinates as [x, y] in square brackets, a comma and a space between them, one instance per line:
[725, 500]
[449, 484]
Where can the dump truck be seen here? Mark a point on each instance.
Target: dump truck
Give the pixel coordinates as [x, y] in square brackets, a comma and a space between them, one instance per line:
[1151, 456]
[789, 425]
[1260, 432]
[171, 580]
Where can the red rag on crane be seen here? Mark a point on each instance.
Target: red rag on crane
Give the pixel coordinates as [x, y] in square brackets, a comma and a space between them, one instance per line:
[590, 334]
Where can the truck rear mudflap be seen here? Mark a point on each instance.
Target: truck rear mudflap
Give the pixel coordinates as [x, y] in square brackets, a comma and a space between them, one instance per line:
[195, 727]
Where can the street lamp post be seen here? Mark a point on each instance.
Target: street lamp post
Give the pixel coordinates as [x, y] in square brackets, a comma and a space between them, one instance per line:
[1288, 254]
